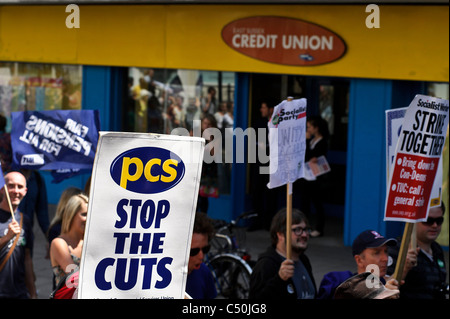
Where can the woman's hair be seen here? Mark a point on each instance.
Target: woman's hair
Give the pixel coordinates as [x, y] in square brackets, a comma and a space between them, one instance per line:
[211, 118]
[321, 124]
[72, 207]
[65, 196]
[278, 224]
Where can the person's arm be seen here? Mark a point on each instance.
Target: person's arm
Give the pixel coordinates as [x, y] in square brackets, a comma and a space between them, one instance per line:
[30, 278]
[13, 230]
[410, 262]
[266, 282]
[60, 255]
[286, 270]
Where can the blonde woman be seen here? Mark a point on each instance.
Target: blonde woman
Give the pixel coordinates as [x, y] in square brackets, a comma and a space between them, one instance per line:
[54, 230]
[65, 250]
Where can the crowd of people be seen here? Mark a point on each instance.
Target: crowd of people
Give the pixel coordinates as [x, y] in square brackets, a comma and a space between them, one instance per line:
[276, 274]
[277, 277]
[423, 277]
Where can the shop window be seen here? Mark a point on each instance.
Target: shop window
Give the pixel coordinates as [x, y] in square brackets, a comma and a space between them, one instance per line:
[333, 107]
[440, 90]
[161, 100]
[31, 86]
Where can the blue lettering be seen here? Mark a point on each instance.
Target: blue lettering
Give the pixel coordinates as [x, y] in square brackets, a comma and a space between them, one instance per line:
[157, 243]
[123, 283]
[147, 214]
[165, 274]
[146, 211]
[135, 204]
[162, 212]
[148, 264]
[120, 242]
[122, 270]
[121, 213]
[136, 242]
[100, 281]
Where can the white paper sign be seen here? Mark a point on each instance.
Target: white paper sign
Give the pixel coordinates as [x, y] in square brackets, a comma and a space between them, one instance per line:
[141, 212]
[317, 168]
[287, 141]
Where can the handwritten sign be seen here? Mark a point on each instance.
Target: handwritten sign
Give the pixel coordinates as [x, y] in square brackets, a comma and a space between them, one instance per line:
[287, 142]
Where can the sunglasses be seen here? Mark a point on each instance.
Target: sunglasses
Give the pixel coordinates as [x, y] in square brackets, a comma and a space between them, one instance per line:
[195, 251]
[430, 221]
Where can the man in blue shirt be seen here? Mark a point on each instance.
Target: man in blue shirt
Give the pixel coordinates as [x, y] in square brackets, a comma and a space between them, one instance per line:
[369, 248]
[200, 283]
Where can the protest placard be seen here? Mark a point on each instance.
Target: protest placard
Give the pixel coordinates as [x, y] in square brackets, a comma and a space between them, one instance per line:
[287, 143]
[413, 170]
[394, 122]
[143, 199]
[416, 161]
[51, 140]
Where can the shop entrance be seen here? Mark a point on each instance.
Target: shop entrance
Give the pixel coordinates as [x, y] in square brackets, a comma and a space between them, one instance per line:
[327, 97]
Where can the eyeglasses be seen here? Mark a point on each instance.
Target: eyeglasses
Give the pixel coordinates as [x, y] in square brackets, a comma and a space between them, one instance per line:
[430, 221]
[195, 251]
[298, 231]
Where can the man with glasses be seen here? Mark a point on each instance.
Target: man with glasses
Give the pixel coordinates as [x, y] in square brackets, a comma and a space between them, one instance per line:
[200, 283]
[427, 278]
[276, 277]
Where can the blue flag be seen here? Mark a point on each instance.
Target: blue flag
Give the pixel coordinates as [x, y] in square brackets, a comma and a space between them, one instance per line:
[51, 140]
[2, 178]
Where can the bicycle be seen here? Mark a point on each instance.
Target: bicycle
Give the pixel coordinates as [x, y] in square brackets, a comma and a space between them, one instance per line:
[228, 261]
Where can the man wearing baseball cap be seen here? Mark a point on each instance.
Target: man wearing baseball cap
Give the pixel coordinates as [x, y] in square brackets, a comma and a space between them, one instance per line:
[370, 252]
[371, 248]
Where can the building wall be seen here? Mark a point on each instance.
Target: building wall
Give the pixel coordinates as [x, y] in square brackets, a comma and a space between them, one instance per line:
[411, 44]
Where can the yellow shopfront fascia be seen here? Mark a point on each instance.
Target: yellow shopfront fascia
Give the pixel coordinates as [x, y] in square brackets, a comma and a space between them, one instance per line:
[412, 42]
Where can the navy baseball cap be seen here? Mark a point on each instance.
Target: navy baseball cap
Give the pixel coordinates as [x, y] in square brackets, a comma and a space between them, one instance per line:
[370, 239]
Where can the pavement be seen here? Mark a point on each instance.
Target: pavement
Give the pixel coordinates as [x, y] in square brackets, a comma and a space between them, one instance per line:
[326, 253]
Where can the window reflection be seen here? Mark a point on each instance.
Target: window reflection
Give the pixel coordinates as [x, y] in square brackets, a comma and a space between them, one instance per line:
[40, 87]
[161, 100]
[30, 86]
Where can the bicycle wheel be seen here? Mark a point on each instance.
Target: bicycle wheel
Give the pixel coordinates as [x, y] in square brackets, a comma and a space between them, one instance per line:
[231, 275]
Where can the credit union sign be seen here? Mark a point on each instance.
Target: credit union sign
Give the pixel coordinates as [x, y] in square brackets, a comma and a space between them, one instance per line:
[284, 41]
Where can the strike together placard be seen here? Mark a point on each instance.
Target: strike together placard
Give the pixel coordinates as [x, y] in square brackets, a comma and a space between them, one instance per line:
[419, 149]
